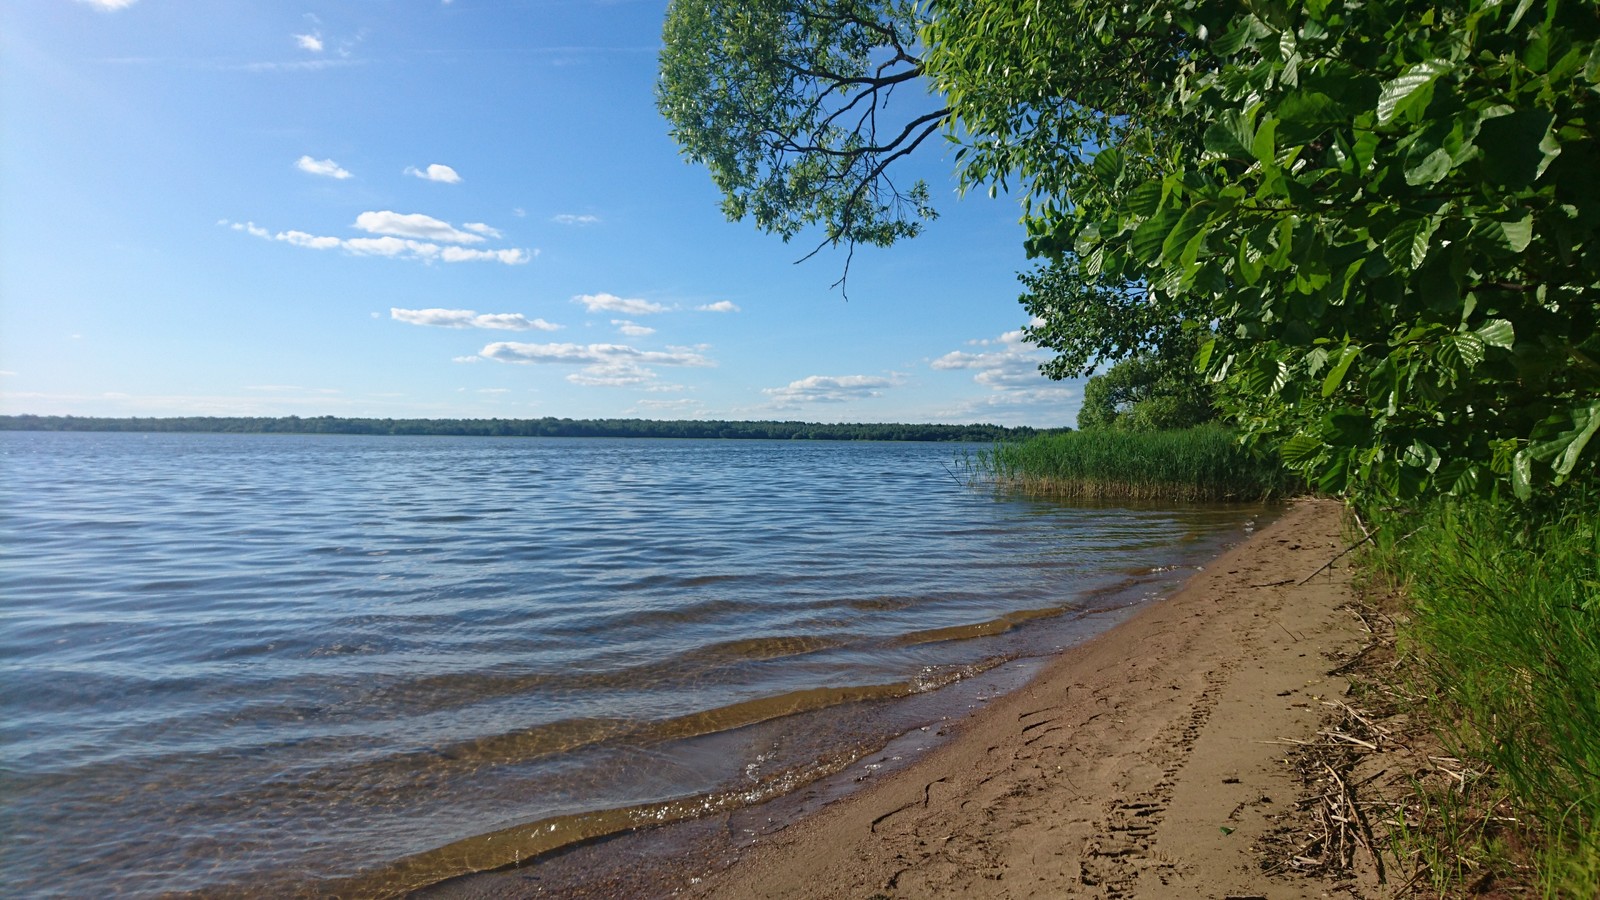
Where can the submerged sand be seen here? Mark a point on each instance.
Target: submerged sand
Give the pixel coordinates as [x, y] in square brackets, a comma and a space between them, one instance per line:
[1148, 762]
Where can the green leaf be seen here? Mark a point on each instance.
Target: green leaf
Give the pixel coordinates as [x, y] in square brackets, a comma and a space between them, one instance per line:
[1177, 245]
[1563, 448]
[1231, 135]
[1301, 449]
[1152, 233]
[1522, 475]
[1518, 234]
[1340, 367]
[1407, 243]
[1522, 10]
[1469, 348]
[1108, 164]
[1265, 147]
[1398, 94]
[1311, 108]
[1497, 333]
[1431, 169]
[1145, 199]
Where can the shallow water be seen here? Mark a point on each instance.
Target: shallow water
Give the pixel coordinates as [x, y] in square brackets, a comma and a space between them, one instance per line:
[270, 663]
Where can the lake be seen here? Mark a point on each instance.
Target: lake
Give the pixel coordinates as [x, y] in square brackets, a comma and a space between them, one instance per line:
[269, 664]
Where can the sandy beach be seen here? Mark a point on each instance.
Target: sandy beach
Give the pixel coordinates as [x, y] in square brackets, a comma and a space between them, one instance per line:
[1148, 762]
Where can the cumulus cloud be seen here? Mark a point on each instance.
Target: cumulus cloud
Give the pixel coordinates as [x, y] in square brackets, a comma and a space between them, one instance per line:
[414, 225]
[721, 306]
[487, 231]
[467, 318]
[435, 172]
[601, 365]
[570, 219]
[592, 354]
[1009, 368]
[389, 246]
[612, 303]
[109, 5]
[614, 374]
[830, 389]
[632, 329]
[312, 42]
[324, 167]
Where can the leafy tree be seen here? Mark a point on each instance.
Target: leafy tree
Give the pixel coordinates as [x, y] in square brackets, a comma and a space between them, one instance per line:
[787, 103]
[1387, 212]
[1147, 393]
[1387, 209]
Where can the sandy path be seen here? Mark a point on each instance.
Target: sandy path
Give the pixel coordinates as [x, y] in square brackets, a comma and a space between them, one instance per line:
[1146, 763]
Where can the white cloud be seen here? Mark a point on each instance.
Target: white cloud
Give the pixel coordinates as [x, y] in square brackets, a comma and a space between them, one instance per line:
[830, 389]
[612, 303]
[312, 42]
[414, 225]
[602, 365]
[632, 329]
[614, 374]
[326, 167]
[7, 372]
[519, 212]
[467, 318]
[487, 231]
[510, 257]
[570, 219]
[435, 172]
[109, 5]
[389, 246]
[592, 354]
[1017, 390]
[721, 306]
[299, 238]
[250, 228]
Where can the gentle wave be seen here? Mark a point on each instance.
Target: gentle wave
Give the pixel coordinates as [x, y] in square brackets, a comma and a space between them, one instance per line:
[240, 661]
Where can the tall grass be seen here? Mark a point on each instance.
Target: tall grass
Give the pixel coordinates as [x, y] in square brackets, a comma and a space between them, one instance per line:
[1205, 463]
[1505, 624]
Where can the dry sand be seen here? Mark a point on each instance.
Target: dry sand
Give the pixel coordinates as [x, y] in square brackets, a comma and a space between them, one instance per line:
[1150, 762]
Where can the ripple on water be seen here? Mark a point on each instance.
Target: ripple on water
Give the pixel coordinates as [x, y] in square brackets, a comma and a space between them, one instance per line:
[270, 663]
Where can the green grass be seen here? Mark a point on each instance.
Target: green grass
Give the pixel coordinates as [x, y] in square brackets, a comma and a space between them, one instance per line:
[1505, 627]
[1196, 464]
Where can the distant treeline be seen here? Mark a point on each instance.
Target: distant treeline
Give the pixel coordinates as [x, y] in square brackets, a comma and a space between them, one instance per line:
[546, 427]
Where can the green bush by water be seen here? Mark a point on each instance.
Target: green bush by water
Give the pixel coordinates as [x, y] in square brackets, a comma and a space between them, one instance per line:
[1205, 463]
[1505, 625]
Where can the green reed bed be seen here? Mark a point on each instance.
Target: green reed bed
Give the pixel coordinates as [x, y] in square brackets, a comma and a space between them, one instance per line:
[1196, 464]
[1505, 627]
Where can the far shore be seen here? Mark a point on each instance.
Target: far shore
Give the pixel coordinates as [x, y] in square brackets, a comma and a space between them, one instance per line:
[1148, 762]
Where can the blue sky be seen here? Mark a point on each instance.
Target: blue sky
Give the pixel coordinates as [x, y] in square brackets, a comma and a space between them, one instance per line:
[447, 209]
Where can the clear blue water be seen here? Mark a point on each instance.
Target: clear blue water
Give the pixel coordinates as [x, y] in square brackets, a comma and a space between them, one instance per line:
[267, 664]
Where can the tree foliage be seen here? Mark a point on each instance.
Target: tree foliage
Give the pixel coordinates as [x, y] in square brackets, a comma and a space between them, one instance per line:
[1386, 213]
[1387, 209]
[788, 104]
[1147, 392]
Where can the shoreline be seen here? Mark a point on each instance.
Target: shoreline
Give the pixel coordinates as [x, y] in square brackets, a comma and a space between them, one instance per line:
[1144, 762]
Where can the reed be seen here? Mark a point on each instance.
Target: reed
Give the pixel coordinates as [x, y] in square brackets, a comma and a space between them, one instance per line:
[1505, 628]
[1205, 463]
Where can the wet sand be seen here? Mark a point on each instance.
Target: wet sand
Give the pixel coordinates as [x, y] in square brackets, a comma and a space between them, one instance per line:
[1148, 762]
